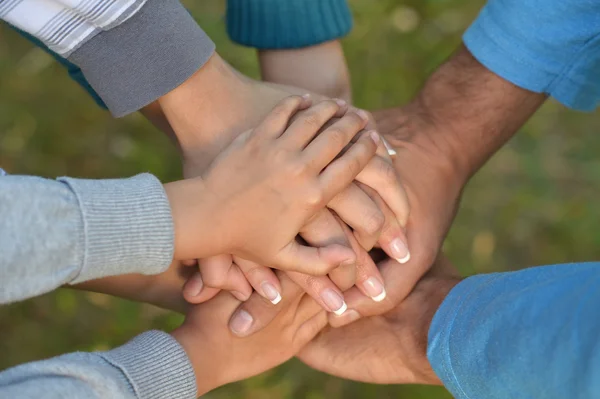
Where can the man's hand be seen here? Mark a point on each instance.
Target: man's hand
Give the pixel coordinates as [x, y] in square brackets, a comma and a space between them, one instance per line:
[386, 349]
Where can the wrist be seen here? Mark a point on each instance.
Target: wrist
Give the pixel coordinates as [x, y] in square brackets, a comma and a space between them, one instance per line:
[432, 293]
[203, 363]
[192, 208]
[203, 111]
[465, 113]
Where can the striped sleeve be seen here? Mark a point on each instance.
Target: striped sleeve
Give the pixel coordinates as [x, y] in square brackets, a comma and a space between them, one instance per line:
[131, 52]
[64, 27]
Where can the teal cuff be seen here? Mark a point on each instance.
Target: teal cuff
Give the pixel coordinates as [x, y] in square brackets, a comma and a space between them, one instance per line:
[277, 24]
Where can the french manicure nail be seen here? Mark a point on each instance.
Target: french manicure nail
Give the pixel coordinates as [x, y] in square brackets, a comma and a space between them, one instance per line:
[374, 289]
[390, 150]
[374, 136]
[194, 285]
[350, 316]
[334, 301]
[399, 250]
[241, 322]
[271, 292]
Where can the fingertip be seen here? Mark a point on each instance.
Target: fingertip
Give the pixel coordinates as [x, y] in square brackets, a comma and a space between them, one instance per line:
[305, 101]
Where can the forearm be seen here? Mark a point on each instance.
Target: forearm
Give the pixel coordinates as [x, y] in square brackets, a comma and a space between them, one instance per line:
[152, 365]
[72, 230]
[465, 113]
[525, 334]
[320, 69]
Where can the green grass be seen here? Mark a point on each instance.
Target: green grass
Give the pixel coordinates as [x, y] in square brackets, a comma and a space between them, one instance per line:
[532, 204]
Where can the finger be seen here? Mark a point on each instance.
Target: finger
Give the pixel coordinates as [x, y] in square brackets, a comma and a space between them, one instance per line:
[195, 292]
[308, 124]
[322, 290]
[368, 278]
[340, 173]
[361, 213]
[383, 149]
[220, 272]
[262, 278]
[277, 120]
[392, 238]
[314, 261]
[327, 145]
[382, 177]
[257, 312]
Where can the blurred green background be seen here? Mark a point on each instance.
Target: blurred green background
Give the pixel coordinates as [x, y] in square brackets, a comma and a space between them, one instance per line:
[532, 204]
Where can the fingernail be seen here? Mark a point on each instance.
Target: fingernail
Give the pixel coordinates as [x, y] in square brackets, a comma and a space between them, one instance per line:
[241, 322]
[375, 289]
[374, 136]
[399, 251]
[239, 295]
[350, 316]
[271, 293]
[194, 285]
[306, 96]
[341, 103]
[363, 115]
[388, 147]
[334, 301]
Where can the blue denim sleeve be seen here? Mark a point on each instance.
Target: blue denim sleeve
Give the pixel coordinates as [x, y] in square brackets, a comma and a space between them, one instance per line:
[526, 334]
[546, 46]
[71, 68]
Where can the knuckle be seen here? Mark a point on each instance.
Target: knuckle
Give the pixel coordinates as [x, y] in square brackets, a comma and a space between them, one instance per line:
[337, 136]
[312, 121]
[373, 222]
[314, 197]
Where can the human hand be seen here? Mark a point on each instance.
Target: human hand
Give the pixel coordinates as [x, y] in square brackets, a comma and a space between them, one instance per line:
[390, 348]
[219, 358]
[274, 172]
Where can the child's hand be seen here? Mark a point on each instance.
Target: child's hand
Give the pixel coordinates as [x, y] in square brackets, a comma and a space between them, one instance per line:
[219, 357]
[258, 193]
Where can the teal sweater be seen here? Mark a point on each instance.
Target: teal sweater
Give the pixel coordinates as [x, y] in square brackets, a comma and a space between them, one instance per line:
[263, 24]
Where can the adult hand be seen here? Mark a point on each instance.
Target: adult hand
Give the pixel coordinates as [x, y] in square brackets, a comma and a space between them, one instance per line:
[390, 348]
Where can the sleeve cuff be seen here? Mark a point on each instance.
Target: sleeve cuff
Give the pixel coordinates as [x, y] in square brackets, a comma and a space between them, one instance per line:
[276, 24]
[128, 227]
[155, 366]
[441, 331]
[147, 56]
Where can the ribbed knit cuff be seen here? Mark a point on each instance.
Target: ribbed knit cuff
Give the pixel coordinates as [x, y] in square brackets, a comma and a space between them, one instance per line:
[128, 227]
[277, 24]
[156, 366]
[145, 57]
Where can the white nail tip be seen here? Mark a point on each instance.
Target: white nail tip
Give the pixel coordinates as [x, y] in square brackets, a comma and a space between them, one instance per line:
[388, 147]
[379, 297]
[277, 299]
[341, 310]
[404, 260]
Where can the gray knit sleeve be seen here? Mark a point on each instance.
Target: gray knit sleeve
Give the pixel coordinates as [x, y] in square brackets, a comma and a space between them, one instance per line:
[65, 231]
[151, 366]
[145, 57]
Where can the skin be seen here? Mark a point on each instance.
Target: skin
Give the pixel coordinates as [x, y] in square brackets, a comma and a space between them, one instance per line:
[207, 112]
[462, 116]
